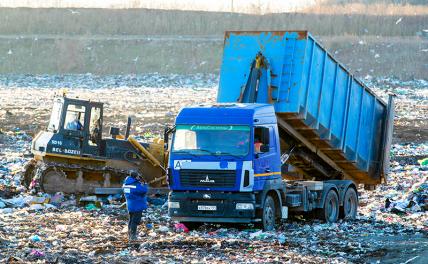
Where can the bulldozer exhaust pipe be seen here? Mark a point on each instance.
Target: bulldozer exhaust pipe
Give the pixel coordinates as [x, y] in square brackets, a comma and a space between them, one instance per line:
[128, 127]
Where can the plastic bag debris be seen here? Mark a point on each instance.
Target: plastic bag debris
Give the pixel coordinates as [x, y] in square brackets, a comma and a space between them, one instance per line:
[281, 239]
[35, 207]
[37, 253]
[180, 227]
[423, 162]
[57, 199]
[35, 238]
[91, 207]
[163, 229]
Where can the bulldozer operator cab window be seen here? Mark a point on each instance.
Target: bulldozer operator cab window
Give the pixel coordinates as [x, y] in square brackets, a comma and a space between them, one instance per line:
[220, 140]
[55, 116]
[75, 117]
[95, 126]
[261, 140]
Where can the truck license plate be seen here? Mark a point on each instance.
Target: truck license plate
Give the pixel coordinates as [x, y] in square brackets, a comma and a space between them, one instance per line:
[207, 207]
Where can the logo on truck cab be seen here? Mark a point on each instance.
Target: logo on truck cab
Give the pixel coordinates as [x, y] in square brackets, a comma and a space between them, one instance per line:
[178, 164]
[207, 180]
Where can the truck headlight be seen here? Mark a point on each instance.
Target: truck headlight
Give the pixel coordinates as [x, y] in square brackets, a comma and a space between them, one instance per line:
[174, 205]
[244, 206]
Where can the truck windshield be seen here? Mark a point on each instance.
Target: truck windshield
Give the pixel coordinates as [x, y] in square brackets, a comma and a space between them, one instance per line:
[212, 140]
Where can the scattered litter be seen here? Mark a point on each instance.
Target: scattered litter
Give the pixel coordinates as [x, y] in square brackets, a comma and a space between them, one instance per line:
[91, 207]
[163, 229]
[423, 162]
[180, 227]
[37, 253]
[57, 199]
[35, 238]
[124, 252]
[281, 239]
[35, 207]
[64, 228]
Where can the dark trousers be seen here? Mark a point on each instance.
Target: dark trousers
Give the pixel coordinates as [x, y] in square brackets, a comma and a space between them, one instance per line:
[134, 221]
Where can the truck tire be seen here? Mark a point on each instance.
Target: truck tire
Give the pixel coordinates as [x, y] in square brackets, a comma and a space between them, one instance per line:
[350, 205]
[330, 211]
[268, 214]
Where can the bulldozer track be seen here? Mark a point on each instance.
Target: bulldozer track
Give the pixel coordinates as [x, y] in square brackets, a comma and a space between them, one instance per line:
[68, 173]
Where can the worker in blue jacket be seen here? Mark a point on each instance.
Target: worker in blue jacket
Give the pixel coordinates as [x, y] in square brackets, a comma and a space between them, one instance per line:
[135, 190]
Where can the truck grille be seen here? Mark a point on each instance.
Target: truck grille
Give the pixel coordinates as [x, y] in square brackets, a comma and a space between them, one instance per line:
[208, 178]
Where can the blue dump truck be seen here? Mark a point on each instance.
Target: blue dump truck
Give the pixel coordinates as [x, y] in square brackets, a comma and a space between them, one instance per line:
[293, 131]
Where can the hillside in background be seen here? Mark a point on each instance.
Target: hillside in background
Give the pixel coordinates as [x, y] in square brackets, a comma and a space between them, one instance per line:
[123, 41]
[165, 22]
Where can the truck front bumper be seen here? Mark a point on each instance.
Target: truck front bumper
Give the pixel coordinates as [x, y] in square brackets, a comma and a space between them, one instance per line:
[222, 207]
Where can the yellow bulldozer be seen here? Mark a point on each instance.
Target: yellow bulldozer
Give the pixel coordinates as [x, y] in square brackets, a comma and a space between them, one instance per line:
[72, 156]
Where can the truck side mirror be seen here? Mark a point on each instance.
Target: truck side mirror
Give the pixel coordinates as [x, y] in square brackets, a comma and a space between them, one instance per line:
[166, 137]
[264, 148]
[167, 130]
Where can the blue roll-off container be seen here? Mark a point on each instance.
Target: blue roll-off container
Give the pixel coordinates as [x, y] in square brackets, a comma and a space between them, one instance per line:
[315, 95]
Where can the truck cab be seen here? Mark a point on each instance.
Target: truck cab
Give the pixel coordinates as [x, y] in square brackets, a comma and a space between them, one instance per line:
[293, 131]
[228, 157]
[226, 165]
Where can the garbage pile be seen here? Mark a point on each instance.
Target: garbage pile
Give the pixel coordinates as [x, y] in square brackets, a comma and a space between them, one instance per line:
[411, 190]
[14, 155]
[74, 233]
[415, 201]
[411, 106]
[72, 229]
[43, 201]
[404, 199]
[392, 221]
[91, 81]
[151, 107]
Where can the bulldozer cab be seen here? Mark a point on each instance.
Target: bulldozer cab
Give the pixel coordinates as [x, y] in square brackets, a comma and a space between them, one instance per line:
[80, 124]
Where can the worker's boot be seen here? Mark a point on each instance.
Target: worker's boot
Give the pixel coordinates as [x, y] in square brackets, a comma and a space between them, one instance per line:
[129, 235]
[132, 237]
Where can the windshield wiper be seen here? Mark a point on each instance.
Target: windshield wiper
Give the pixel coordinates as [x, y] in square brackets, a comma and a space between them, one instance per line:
[220, 153]
[230, 154]
[208, 151]
[217, 154]
[184, 152]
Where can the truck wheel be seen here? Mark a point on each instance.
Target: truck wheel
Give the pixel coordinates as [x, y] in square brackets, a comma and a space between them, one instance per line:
[350, 205]
[330, 210]
[269, 214]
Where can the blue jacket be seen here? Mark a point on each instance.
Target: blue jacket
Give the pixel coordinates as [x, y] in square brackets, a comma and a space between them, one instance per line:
[135, 194]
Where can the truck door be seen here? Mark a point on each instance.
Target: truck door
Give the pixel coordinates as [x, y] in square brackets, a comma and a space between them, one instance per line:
[264, 151]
